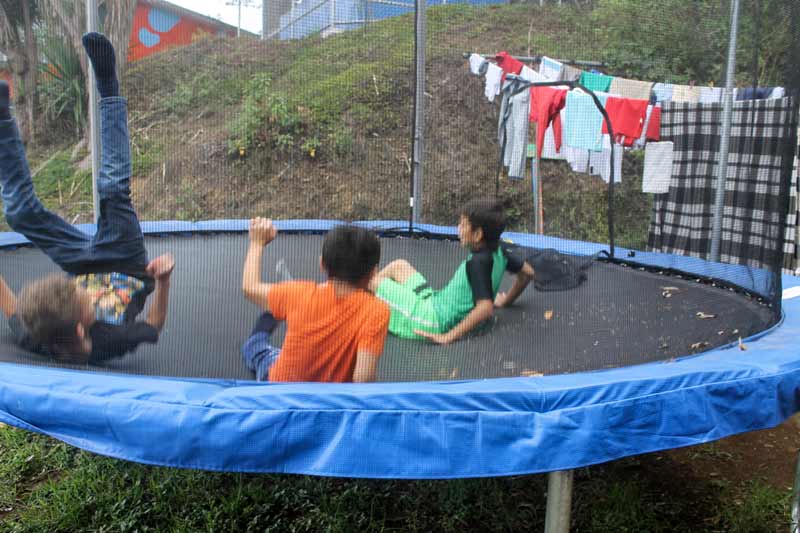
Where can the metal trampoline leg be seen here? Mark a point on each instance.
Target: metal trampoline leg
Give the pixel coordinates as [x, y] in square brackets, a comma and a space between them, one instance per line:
[795, 527]
[559, 501]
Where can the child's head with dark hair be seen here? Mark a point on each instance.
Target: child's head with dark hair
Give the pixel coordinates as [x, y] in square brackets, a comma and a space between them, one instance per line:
[486, 216]
[351, 254]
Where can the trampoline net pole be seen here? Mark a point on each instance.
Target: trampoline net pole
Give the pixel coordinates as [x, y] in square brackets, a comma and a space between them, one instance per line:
[92, 24]
[418, 149]
[727, 114]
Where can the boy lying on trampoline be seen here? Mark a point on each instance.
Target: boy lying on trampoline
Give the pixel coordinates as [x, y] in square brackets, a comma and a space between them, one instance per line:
[335, 330]
[469, 298]
[90, 316]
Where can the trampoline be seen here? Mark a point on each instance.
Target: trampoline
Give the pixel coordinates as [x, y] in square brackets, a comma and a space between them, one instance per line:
[606, 370]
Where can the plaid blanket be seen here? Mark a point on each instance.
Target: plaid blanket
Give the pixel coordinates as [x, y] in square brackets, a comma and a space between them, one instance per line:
[756, 188]
[792, 217]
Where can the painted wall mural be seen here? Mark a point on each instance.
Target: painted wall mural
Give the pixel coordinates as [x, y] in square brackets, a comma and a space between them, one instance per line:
[155, 30]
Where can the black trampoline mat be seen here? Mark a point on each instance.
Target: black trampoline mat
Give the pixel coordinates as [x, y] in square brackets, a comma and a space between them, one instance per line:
[619, 317]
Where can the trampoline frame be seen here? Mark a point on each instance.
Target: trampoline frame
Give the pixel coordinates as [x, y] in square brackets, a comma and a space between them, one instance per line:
[469, 428]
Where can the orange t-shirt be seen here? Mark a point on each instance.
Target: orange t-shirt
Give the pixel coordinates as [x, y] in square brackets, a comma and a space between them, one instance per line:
[324, 332]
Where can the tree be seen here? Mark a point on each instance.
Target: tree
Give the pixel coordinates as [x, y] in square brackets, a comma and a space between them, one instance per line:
[18, 43]
[69, 18]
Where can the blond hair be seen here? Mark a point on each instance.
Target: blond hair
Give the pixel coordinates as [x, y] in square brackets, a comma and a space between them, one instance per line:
[50, 310]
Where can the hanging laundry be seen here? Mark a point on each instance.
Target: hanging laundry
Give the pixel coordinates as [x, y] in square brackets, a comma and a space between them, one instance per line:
[583, 121]
[546, 103]
[750, 93]
[600, 162]
[652, 124]
[529, 74]
[631, 88]
[570, 73]
[493, 79]
[509, 64]
[711, 95]
[578, 158]
[477, 64]
[685, 93]
[653, 128]
[550, 68]
[682, 219]
[777, 92]
[657, 167]
[549, 149]
[512, 131]
[662, 92]
[596, 81]
[627, 117]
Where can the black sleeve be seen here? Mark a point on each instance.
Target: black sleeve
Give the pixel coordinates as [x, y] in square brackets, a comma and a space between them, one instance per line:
[514, 257]
[110, 341]
[21, 336]
[479, 274]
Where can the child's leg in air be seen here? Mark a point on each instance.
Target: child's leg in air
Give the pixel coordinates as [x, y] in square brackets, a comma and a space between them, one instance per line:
[119, 236]
[398, 270]
[258, 353]
[66, 245]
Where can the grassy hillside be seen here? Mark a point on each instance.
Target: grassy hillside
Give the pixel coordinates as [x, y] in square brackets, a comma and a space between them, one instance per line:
[321, 128]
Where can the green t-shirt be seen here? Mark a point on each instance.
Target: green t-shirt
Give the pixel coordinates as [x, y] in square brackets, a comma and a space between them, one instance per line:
[477, 278]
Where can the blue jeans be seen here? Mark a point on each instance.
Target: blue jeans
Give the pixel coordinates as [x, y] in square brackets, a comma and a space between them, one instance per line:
[258, 353]
[118, 239]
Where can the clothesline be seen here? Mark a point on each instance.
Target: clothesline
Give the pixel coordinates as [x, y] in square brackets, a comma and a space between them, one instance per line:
[581, 62]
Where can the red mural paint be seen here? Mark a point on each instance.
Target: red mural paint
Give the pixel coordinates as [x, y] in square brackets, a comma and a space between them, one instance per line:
[156, 29]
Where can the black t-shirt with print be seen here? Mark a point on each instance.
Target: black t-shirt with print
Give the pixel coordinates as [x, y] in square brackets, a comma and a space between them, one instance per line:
[118, 299]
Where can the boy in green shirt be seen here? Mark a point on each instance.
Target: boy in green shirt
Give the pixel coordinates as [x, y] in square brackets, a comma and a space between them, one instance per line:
[417, 311]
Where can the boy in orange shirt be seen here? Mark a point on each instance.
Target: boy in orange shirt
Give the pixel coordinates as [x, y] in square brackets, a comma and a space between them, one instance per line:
[335, 330]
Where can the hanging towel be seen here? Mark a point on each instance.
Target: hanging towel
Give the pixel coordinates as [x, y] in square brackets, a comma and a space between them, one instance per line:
[631, 88]
[546, 103]
[570, 73]
[509, 64]
[662, 92]
[685, 93]
[657, 167]
[600, 162]
[596, 82]
[583, 121]
[477, 64]
[710, 95]
[493, 77]
[550, 68]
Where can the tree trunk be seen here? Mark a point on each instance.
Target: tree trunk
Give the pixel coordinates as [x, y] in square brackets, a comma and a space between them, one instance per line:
[31, 75]
[117, 27]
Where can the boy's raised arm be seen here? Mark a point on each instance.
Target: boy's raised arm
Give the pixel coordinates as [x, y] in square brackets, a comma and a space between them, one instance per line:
[8, 302]
[262, 232]
[161, 269]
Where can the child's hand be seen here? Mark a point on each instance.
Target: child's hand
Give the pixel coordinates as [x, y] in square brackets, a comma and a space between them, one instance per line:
[438, 338]
[262, 232]
[161, 267]
[500, 300]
